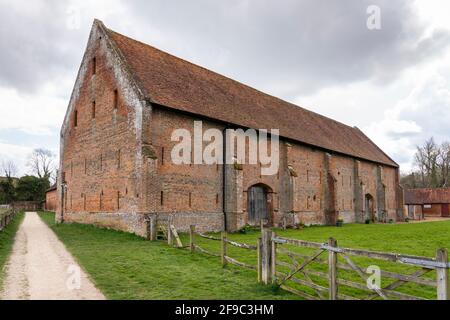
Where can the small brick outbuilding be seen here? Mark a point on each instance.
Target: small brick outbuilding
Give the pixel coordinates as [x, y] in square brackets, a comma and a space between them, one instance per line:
[427, 202]
[51, 199]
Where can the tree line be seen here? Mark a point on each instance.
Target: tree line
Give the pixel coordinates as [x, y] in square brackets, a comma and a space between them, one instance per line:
[31, 187]
[431, 166]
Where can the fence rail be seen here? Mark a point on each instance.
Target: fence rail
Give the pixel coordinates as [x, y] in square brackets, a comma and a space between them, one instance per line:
[6, 218]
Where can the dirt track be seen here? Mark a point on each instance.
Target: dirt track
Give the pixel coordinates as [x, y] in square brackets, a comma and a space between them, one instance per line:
[41, 268]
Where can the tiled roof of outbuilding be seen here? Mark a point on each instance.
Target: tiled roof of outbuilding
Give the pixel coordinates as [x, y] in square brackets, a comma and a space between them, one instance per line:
[427, 196]
[178, 84]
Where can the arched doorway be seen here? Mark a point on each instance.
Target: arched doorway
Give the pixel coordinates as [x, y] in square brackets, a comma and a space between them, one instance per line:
[369, 207]
[259, 204]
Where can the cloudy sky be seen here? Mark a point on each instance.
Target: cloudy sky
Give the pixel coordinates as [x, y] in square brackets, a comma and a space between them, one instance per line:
[393, 82]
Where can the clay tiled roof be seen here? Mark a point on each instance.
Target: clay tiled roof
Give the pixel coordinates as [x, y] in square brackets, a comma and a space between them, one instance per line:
[427, 196]
[175, 83]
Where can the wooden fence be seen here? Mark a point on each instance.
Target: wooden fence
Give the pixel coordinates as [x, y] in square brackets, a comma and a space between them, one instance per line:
[332, 282]
[327, 271]
[6, 218]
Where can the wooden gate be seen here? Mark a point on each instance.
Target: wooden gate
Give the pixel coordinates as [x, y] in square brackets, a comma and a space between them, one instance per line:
[257, 205]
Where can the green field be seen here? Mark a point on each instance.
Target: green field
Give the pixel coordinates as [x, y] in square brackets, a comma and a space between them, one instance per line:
[126, 267]
[6, 242]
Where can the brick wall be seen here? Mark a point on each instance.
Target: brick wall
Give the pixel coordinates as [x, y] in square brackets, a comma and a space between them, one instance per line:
[51, 200]
[100, 148]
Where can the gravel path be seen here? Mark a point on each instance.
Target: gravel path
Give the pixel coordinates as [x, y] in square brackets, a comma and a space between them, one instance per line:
[41, 268]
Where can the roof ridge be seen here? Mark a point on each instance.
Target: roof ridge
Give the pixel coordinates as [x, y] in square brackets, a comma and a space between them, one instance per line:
[176, 83]
[292, 105]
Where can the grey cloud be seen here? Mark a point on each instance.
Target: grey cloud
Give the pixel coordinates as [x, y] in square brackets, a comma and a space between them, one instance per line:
[288, 48]
[295, 47]
[36, 45]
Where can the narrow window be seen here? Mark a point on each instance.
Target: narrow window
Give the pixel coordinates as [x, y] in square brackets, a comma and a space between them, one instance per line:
[118, 159]
[118, 200]
[93, 110]
[101, 200]
[217, 198]
[116, 99]
[63, 177]
[320, 177]
[190, 199]
[85, 166]
[84, 202]
[101, 162]
[162, 198]
[71, 202]
[307, 202]
[71, 169]
[75, 119]
[94, 66]
[162, 156]
[307, 175]
[342, 180]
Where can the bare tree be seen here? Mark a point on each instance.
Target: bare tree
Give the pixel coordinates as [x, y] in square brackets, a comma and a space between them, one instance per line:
[444, 164]
[8, 169]
[432, 163]
[41, 163]
[426, 161]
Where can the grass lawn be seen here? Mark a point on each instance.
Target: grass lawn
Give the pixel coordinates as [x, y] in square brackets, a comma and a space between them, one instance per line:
[126, 267]
[6, 242]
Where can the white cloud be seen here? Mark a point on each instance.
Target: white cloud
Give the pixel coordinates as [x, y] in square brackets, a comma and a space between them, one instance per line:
[423, 113]
[34, 114]
[17, 154]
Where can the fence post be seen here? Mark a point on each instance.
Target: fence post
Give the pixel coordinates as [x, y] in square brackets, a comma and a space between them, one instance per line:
[266, 253]
[443, 285]
[223, 252]
[192, 238]
[258, 255]
[332, 271]
[147, 228]
[153, 232]
[273, 258]
[169, 232]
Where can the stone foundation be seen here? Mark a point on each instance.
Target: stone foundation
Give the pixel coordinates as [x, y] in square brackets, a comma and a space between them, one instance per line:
[135, 222]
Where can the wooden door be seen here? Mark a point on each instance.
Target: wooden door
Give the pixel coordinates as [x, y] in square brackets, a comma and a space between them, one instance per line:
[445, 210]
[257, 205]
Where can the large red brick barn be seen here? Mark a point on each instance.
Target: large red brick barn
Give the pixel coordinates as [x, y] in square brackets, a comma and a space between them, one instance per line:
[116, 166]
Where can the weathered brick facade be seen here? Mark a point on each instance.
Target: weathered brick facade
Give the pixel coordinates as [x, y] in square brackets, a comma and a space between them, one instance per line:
[116, 164]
